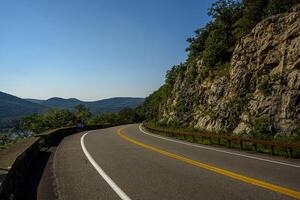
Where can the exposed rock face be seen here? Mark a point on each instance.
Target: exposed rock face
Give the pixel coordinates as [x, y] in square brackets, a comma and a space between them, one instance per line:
[263, 81]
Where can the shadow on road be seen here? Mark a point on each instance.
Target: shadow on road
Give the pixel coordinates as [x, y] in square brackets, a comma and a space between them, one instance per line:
[29, 191]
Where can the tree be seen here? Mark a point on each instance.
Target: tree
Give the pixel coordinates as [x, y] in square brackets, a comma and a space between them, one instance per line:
[56, 118]
[124, 116]
[219, 44]
[216, 50]
[172, 74]
[128, 115]
[82, 113]
[279, 6]
[252, 13]
[197, 43]
[32, 124]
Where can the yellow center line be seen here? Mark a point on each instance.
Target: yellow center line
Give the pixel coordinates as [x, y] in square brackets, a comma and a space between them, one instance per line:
[269, 186]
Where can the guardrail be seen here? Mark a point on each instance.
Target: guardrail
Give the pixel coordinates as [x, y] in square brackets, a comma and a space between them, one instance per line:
[21, 168]
[53, 137]
[289, 148]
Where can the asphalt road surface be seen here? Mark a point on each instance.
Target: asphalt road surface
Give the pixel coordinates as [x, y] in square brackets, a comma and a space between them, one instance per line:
[126, 162]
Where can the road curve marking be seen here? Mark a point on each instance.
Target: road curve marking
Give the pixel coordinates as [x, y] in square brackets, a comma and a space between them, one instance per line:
[218, 150]
[256, 182]
[110, 182]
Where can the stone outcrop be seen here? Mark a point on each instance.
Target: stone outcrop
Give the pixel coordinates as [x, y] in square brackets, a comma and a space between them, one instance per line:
[263, 82]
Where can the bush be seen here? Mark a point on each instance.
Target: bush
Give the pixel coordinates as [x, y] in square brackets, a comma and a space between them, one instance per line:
[262, 129]
[125, 116]
[265, 87]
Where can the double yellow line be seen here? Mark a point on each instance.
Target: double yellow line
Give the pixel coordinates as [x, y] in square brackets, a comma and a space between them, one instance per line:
[269, 186]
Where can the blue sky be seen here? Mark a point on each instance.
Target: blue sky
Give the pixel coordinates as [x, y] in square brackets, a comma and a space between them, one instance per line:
[93, 49]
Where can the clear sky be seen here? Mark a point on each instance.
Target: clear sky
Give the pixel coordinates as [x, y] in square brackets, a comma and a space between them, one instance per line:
[93, 49]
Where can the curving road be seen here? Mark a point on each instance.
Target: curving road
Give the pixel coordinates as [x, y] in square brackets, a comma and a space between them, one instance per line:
[126, 162]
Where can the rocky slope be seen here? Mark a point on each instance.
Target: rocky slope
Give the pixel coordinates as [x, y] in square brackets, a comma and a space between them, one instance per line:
[262, 85]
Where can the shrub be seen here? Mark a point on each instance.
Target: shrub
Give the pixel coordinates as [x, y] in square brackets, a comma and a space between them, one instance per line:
[262, 128]
[264, 86]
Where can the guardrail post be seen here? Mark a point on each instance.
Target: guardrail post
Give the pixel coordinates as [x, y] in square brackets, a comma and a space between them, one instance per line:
[219, 141]
[289, 152]
[229, 143]
[272, 150]
[193, 138]
[254, 145]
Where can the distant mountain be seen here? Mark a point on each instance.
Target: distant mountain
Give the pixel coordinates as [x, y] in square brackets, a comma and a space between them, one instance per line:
[96, 107]
[113, 104]
[57, 102]
[13, 107]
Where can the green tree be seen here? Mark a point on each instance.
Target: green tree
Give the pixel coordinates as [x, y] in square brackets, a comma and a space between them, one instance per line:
[252, 13]
[105, 118]
[173, 73]
[197, 43]
[82, 113]
[219, 44]
[124, 116]
[279, 6]
[56, 118]
[32, 124]
[128, 115]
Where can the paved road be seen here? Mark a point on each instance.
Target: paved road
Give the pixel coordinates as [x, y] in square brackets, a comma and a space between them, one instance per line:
[127, 163]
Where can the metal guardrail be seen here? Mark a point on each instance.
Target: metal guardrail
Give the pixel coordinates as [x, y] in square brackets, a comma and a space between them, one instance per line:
[289, 147]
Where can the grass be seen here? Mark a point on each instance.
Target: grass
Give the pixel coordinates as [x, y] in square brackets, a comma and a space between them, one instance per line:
[7, 145]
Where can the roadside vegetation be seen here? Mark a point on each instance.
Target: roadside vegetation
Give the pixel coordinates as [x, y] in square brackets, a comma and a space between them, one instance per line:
[57, 118]
[244, 142]
[212, 44]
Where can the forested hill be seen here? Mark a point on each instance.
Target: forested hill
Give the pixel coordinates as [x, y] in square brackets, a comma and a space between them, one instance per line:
[12, 107]
[96, 107]
[242, 74]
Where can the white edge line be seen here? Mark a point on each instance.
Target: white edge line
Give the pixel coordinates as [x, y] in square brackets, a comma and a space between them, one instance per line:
[213, 149]
[110, 182]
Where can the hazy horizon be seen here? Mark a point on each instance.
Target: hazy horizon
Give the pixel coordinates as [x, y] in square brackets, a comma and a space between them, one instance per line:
[86, 100]
[93, 50]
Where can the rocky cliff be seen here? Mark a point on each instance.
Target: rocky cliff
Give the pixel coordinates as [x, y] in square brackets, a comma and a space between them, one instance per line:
[260, 87]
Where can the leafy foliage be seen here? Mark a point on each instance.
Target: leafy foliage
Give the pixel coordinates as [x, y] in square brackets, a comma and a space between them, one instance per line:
[38, 123]
[82, 113]
[262, 128]
[214, 43]
[255, 10]
[57, 118]
[174, 72]
[252, 13]
[264, 87]
[125, 116]
[231, 20]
